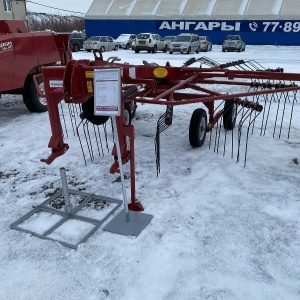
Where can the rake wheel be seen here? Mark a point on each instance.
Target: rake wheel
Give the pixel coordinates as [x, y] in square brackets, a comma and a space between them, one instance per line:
[229, 115]
[127, 114]
[88, 111]
[197, 130]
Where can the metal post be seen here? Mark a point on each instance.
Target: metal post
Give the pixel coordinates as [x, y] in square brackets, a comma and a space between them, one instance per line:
[116, 136]
[68, 205]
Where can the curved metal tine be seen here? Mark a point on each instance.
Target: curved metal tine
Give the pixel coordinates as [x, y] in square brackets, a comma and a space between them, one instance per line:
[77, 131]
[62, 115]
[218, 133]
[283, 111]
[292, 110]
[251, 65]
[210, 136]
[157, 150]
[232, 139]
[105, 134]
[88, 139]
[244, 117]
[277, 111]
[72, 108]
[247, 136]
[256, 101]
[268, 113]
[98, 139]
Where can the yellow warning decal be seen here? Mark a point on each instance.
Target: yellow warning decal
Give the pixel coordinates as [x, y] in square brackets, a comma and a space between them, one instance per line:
[89, 86]
[89, 74]
[160, 72]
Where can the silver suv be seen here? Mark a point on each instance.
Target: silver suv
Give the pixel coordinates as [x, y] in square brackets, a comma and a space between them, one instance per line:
[233, 43]
[185, 43]
[150, 42]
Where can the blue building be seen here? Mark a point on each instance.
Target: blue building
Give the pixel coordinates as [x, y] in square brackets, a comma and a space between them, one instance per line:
[260, 22]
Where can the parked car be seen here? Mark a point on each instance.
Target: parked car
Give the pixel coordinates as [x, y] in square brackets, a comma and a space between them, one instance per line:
[125, 40]
[150, 42]
[133, 45]
[169, 39]
[76, 41]
[205, 43]
[102, 43]
[185, 43]
[233, 43]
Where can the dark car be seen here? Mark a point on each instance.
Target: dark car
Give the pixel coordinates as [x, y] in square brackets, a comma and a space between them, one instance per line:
[76, 41]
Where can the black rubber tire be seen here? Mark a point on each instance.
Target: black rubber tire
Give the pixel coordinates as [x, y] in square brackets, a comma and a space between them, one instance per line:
[88, 112]
[127, 114]
[88, 50]
[116, 48]
[136, 51]
[76, 48]
[165, 49]
[197, 130]
[154, 50]
[170, 52]
[30, 97]
[229, 115]
[188, 51]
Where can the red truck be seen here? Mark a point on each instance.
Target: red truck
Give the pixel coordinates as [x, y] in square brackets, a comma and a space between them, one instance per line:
[23, 54]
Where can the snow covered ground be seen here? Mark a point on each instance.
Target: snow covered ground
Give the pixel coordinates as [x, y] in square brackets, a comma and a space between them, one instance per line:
[219, 230]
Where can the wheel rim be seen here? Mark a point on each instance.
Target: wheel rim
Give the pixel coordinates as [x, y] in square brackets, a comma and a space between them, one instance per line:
[202, 128]
[43, 100]
[126, 117]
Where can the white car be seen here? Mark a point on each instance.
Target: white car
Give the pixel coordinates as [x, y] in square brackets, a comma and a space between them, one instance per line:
[102, 43]
[185, 43]
[151, 42]
[125, 40]
[205, 43]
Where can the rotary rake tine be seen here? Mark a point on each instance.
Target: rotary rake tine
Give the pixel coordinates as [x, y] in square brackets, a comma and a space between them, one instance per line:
[218, 128]
[291, 115]
[248, 109]
[93, 138]
[164, 122]
[74, 112]
[236, 108]
[64, 122]
[282, 99]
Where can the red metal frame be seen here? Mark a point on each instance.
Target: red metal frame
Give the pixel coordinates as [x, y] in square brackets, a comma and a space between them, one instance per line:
[162, 85]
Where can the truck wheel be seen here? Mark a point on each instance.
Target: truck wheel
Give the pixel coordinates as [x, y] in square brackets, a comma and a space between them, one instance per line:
[76, 48]
[197, 130]
[33, 102]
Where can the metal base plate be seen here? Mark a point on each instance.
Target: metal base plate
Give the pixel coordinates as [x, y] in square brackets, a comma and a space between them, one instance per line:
[62, 224]
[137, 222]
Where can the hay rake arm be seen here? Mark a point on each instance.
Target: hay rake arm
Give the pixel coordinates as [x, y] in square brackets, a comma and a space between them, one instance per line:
[249, 90]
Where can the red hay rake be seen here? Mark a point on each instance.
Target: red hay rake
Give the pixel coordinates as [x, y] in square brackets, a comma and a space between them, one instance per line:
[250, 90]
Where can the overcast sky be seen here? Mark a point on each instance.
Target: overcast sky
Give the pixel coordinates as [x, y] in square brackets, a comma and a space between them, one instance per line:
[58, 6]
